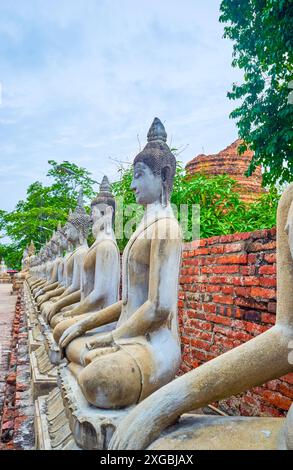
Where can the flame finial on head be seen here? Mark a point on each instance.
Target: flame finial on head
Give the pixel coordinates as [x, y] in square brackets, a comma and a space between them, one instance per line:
[80, 198]
[105, 185]
[105, 195]
[157, 131]
[79, 218]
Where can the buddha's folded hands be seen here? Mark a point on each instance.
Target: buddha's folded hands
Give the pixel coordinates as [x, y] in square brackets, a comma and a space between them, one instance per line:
[101, 341]
[74, 331]
[96, 353]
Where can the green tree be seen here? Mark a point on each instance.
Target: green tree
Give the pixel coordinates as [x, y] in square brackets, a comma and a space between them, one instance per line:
[221, 210]
[262, 32]
[38, 215]
[12, 254]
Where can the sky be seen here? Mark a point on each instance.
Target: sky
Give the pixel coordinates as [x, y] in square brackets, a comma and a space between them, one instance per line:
[82, 81]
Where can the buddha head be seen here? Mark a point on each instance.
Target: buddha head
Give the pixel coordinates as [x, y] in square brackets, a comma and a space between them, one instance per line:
[61, 238]
[48, 251]
[77, 226]
[42, 257]
[54, 244]
[34, 261]
[103, 209]
[154, 168]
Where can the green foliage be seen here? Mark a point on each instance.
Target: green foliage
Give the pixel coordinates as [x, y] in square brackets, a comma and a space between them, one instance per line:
[221, 209]
[262, 32]
[38, 215]
[12, 255]
[68, 178]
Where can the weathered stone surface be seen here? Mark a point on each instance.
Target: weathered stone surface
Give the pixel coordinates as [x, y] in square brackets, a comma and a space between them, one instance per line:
[226, 433]
[230, 162]
[263, 358]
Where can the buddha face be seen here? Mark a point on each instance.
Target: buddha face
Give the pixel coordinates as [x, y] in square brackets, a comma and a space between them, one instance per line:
[71, 233]
[62, 241]
[47, 253]
[54, 246]
[147, 187]
[98, 211]
[101, 215]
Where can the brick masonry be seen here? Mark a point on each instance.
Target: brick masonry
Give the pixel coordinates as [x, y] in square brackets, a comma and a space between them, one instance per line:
[17, 410]
[229, 162]
[228, 296]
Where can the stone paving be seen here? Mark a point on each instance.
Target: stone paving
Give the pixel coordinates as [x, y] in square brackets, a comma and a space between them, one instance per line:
[7, 312]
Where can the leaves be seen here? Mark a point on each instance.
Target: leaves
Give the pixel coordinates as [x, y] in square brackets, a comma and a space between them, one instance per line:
[221, 210]
[262, 32]
[45, 206]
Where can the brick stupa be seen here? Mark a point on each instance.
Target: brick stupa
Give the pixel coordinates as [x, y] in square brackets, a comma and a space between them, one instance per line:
[229, 162]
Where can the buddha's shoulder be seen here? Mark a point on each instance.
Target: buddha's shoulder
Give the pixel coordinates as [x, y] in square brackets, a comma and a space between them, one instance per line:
[170, 224]
[107, 244]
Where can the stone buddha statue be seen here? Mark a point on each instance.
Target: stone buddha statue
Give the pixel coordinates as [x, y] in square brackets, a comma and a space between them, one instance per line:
[4, 276]
[24, 256]
[52, 294]
[44, 269]
[28, 255]
[263, 358]
[76, 230]
[3, 267]
[58, 246]
[119, 364]
[38, 268]
[31, 269]
[100, 275]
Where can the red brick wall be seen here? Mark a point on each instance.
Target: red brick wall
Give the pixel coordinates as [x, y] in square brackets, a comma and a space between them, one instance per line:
[227, 296]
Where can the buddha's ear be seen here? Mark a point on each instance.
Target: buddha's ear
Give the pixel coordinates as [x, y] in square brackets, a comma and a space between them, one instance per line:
[165, 173]
[81, 238]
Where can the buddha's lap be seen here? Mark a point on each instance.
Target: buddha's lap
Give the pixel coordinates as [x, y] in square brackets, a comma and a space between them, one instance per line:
[111, 380]
[77, 349]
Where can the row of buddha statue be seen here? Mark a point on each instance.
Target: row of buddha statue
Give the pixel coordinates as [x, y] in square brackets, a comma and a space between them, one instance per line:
[122, 353]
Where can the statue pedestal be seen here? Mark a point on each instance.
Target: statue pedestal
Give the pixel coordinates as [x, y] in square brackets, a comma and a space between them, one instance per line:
[64, 416]
[30, 308]
[201, 432]
[43, 373]
[35, 337]
[53, 350]
[52, 430]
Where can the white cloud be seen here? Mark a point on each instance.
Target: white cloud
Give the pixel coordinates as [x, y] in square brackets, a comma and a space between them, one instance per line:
[88, 77]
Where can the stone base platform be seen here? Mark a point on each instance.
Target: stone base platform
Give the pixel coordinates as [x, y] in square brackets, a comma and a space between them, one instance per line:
[53, 350]
[43, 373]
[30, 307]
[199, 432]
[51, 424]
[65, 417]
[35, 337]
